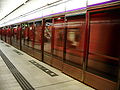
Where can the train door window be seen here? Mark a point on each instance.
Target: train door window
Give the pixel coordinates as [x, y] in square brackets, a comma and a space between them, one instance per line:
[0, 33]
[58, 42]
[18, 34]
[104, 45]
[3, 31]
[8, 35]
[13, 35]
[48, 35]
[24, 25]
[58, 36]
[75, 40]
[31, 34]
[26, 35]
[7, 32]
[38, 35]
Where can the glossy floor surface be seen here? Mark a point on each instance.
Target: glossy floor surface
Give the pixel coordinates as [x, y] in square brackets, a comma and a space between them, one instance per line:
[38, 75]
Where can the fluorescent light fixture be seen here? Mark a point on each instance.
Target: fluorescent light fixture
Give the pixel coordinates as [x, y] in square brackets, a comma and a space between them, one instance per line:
[75, 4]
[91, 2]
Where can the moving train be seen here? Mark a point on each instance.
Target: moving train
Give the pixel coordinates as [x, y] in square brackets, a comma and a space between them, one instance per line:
[85, 46]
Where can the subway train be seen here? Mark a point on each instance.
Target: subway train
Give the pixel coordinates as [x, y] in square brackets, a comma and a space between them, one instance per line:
[85, 46]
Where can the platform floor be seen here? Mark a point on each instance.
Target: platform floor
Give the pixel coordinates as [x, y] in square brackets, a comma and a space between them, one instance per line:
[19, 71]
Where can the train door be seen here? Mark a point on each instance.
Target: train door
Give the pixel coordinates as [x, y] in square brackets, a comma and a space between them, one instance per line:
[18, 37]
[75, 34]
[14, 32]
[4, 34]
[58, 42]
[38, 40]
[31, 38]
[7, 34]
[31, 35]
[1, 33]
[28, 40]
[8, 38]
[48, 41]
[104, 46]
[15, 37]
[25, 38]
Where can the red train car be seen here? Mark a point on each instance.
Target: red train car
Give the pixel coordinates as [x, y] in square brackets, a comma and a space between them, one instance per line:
[86, 46]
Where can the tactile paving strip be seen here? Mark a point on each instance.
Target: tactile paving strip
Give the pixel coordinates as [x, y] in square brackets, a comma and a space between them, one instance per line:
[49, 72]
[19, 53]
[7, 45]
[25, 85]
[2, 42]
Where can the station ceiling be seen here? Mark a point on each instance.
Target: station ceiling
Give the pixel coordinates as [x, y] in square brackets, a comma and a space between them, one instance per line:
[13, 11]
[13, 8]
[7, 6]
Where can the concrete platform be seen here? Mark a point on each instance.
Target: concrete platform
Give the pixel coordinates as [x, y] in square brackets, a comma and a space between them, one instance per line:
[33, 72]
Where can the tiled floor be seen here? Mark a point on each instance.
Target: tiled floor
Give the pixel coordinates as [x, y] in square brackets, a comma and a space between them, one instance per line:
[39, 79]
